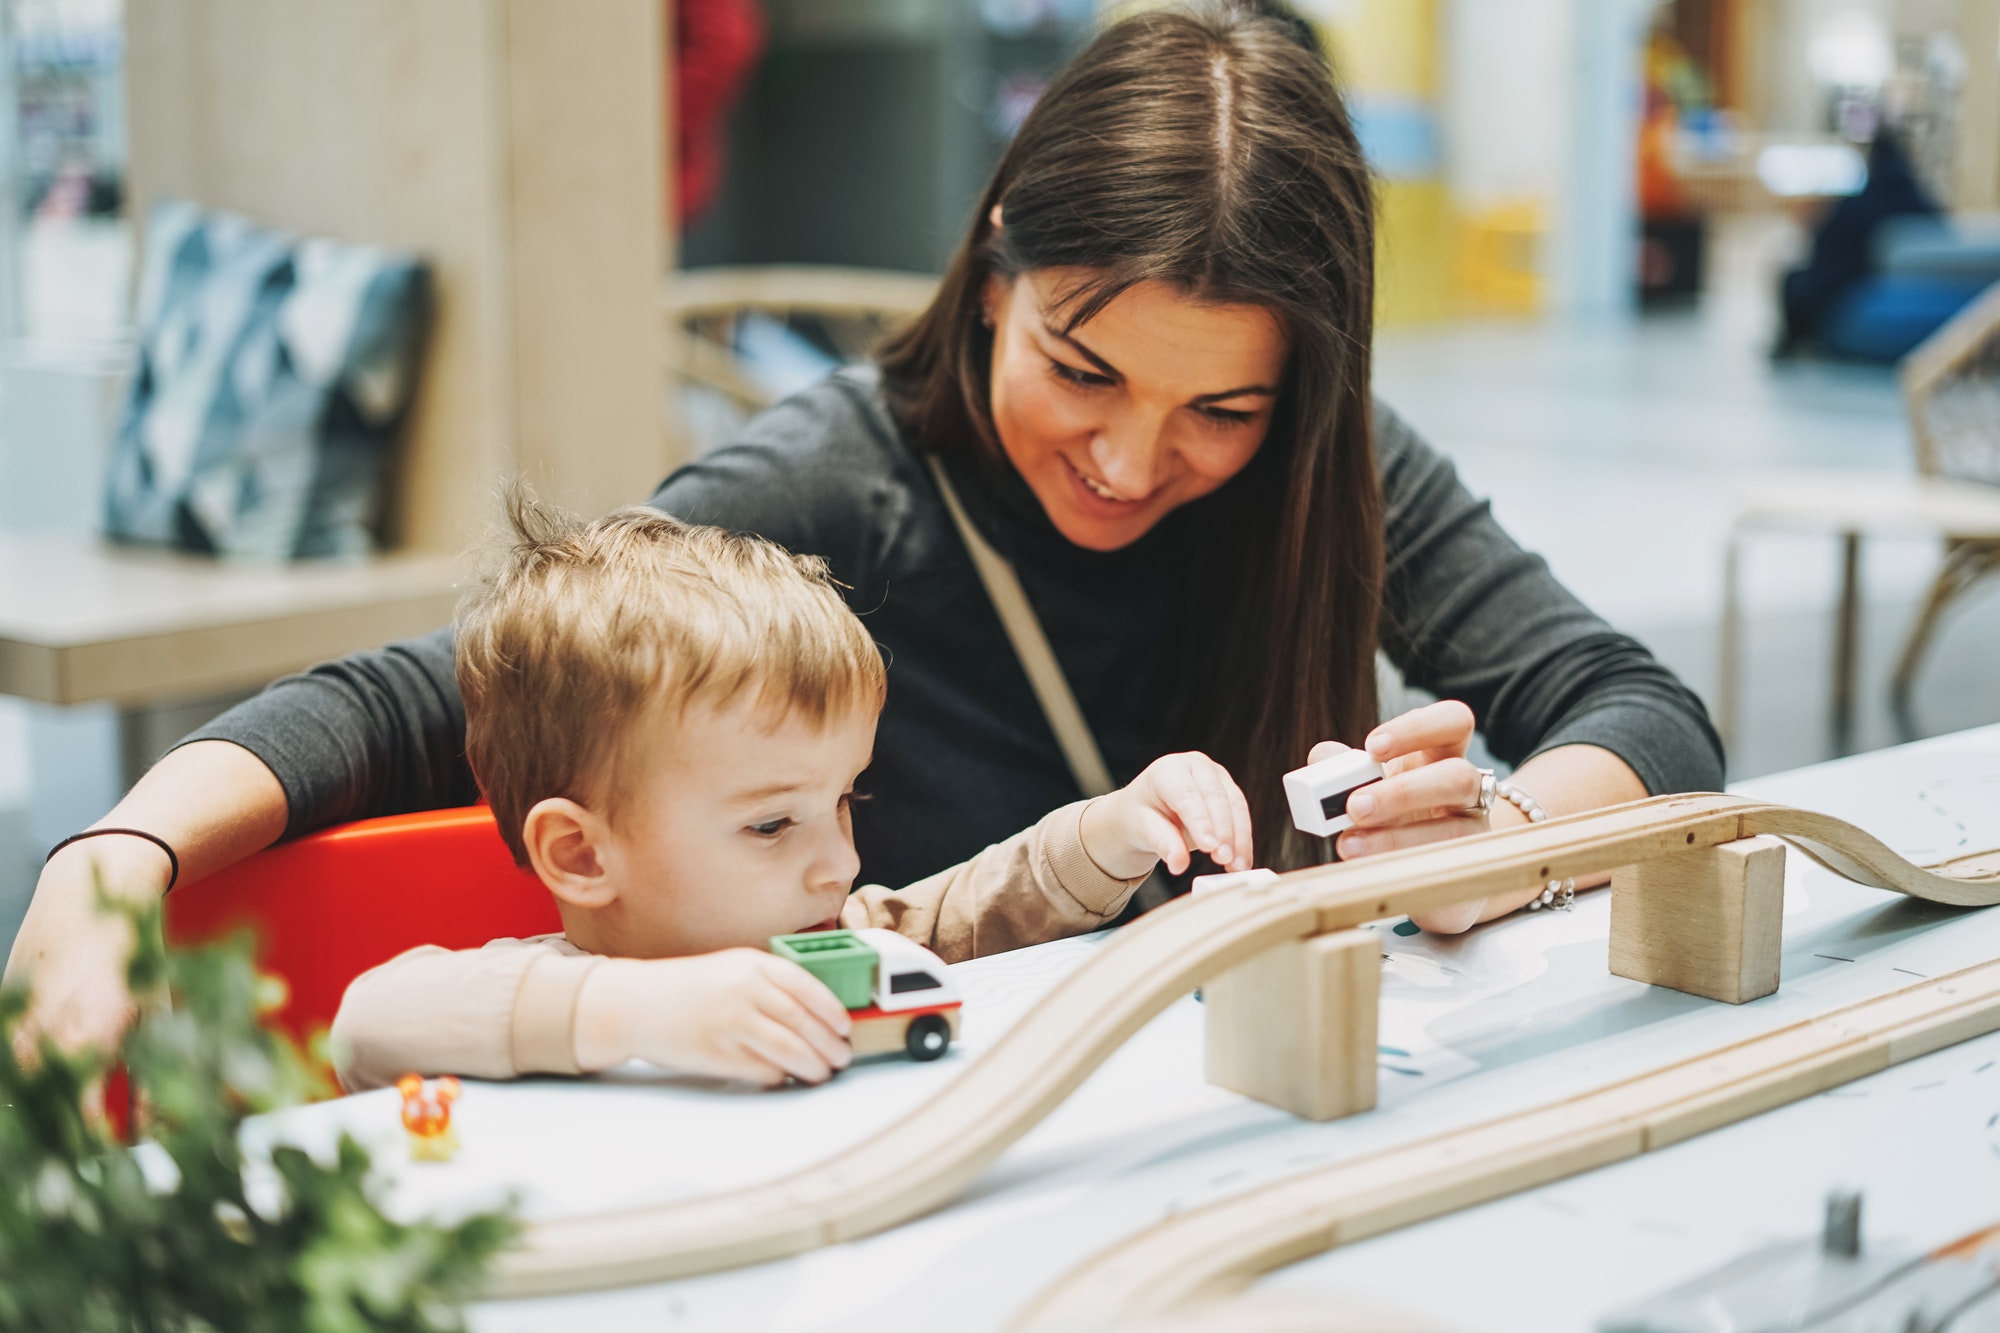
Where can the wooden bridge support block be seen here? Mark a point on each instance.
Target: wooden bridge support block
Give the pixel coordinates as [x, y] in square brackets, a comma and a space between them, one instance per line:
[1295, 1026]
[1705, 921]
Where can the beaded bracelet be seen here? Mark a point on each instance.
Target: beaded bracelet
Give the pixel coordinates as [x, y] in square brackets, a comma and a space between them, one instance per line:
[1560, 895]
[173, 861]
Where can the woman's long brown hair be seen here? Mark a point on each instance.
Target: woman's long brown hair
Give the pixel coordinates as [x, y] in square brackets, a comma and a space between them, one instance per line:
[1208, 150]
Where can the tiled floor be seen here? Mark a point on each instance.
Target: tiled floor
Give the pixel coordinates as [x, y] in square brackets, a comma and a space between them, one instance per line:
[1616, 452]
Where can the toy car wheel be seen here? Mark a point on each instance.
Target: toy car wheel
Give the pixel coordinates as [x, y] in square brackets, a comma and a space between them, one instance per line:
[928, 1037]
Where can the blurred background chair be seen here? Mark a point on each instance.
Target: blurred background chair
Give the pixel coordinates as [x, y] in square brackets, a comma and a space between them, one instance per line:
[1951, 384]
[741, 338]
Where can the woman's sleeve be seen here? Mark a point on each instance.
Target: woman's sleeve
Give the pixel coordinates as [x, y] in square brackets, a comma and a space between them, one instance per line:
[380, 732]
[1469, 615]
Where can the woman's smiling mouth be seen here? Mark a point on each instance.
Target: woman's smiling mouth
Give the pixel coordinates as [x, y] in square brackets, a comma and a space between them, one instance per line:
[1099, 492]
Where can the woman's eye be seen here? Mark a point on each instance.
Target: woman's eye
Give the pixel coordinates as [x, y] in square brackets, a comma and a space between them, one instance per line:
[1088, 379]
[770, 828]
[1223, 418]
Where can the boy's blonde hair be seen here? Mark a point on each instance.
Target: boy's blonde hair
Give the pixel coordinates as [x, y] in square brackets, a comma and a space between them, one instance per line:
[587, 627]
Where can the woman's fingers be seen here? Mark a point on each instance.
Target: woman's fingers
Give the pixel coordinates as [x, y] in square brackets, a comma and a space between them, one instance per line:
[1326, 750]
[1418, 793]
[1445, 725]
[1356, 843]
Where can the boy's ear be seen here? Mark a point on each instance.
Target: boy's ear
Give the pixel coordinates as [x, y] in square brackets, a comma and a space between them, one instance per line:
[566, 846]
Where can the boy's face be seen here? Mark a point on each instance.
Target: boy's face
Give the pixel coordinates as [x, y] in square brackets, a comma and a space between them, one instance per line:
[732, 831]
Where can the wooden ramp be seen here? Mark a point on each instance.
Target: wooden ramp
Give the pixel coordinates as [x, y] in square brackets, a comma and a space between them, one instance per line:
[932, 1154]
[1210, 1252]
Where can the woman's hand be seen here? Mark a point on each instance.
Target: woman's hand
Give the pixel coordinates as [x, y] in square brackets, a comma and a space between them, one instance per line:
[1431, 794]
[1181, 804]
[74, 950]
[215, 803]
[1429, 788]
[740, 1013]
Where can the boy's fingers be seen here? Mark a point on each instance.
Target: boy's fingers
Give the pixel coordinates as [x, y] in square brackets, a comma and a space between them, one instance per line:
[1446, 724]
[785, 1008]
[812, 995]
[1223, 843]
[1185, 802]
[1239, 815]
[786, 1050]
[1189, 801]
[1165, 839]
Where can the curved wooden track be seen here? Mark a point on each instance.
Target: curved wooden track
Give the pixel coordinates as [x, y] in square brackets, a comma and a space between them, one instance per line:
[936, 1151]
[1193, 1259]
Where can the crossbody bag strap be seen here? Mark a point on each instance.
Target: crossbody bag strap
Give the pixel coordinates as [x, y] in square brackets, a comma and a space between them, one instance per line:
[1031, 645]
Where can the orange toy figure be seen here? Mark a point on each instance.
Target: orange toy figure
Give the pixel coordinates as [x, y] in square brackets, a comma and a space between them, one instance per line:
[428, 1117]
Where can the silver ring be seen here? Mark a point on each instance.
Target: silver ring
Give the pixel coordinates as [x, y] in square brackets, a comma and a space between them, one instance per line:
[1487, 788]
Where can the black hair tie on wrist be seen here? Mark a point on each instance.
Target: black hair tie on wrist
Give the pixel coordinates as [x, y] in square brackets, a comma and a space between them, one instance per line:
[173, 861]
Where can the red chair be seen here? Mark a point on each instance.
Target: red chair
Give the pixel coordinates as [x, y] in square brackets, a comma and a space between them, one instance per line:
[333, 904]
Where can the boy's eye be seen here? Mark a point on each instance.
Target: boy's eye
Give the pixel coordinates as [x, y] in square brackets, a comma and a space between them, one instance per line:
[1088, 379]
[770, 828]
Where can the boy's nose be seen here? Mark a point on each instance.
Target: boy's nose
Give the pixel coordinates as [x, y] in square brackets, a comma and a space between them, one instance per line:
[834, 868]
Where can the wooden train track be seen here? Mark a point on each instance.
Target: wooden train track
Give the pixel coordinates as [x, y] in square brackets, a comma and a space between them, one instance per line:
[936, 1151]
[1209, 1252]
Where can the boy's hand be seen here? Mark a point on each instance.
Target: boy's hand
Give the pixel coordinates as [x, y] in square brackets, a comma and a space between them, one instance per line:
[1182, 803]
[740, 1014]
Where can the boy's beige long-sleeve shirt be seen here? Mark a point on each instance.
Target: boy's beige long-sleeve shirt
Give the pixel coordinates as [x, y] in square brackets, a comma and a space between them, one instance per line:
[510, 1008]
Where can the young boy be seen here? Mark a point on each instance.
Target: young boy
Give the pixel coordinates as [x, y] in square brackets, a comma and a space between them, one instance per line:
[668, 722]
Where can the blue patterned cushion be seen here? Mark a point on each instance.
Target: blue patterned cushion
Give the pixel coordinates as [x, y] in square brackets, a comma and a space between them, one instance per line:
[273, 373]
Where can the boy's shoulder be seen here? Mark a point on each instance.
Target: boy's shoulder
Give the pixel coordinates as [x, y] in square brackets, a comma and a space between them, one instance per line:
[556, 942]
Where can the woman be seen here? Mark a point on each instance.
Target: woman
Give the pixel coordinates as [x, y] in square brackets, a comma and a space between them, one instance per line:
[1146, 379]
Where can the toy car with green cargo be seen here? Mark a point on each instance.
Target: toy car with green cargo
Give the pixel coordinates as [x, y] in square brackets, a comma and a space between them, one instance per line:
[898, 993]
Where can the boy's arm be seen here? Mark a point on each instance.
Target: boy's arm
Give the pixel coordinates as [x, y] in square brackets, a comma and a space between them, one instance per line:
[498, 1012]
[1073, 871]
[1039, 885]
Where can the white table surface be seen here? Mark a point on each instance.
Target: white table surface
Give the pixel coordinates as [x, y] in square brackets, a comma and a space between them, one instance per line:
[1511, 1015]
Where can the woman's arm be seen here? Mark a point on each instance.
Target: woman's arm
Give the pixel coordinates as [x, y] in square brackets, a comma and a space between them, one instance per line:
[1589, 717]
[1469, 615]
[1566, 781]
[214, 803]
[373, 733]
[1431, 793]
[378, 732]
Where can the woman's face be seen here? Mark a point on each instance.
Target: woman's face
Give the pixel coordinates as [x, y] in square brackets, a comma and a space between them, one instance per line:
[1155, 401]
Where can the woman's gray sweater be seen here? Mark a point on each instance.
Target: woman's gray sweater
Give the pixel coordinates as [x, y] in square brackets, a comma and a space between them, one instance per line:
[963, 757]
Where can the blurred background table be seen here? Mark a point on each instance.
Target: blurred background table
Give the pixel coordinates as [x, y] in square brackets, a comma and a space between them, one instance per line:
[81, 622]
[122, 652]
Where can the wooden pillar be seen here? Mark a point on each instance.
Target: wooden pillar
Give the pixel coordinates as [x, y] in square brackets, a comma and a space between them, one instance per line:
[515, 144]
[1978, 183]
[1706, 921]
[1295, 1027]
